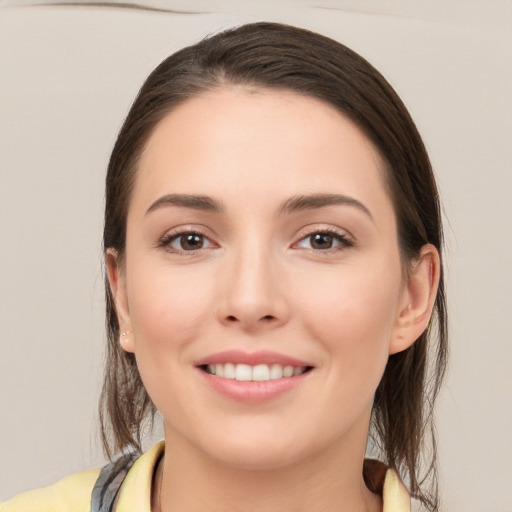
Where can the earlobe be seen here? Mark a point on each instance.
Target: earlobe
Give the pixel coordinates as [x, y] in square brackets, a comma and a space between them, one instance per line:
[117, 283]
[126, 341]
[418, 300]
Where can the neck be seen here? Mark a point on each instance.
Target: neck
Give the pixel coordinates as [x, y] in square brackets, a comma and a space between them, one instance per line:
[330, 481]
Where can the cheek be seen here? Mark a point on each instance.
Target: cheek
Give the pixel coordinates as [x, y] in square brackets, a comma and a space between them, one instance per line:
[352, 314]
[169, 310]
[167, 305]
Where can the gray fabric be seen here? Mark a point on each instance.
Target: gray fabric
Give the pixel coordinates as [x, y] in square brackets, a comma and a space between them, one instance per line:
[110, 480]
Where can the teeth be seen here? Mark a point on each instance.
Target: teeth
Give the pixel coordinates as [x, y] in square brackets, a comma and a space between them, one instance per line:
[261, 372]
[229, 371]
[276, 371]
[287, 371]
[243, 372]
[258, 373]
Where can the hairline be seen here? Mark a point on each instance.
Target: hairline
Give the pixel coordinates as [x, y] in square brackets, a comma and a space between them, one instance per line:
[219, 82]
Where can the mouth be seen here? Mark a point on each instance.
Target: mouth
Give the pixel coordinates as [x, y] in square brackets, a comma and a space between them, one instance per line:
[254, 373]
[253, 377]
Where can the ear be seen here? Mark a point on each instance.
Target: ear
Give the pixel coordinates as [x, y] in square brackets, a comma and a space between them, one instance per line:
[417, 300]
[117, 281]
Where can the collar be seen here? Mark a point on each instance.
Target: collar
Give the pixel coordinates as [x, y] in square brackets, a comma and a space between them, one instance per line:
[395, 497]
[135, 493]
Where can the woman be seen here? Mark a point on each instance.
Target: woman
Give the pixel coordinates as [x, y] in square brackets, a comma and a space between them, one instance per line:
[272, 243]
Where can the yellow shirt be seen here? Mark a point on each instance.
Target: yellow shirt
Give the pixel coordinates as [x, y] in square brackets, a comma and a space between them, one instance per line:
[73, 493]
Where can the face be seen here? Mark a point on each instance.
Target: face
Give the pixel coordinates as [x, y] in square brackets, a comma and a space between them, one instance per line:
[262, 284]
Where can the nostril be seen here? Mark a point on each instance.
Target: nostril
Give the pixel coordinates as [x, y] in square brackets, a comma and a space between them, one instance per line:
[232, 318]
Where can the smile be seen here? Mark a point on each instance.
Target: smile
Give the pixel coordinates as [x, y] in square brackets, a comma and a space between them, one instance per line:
[257, 373]
[253, 377]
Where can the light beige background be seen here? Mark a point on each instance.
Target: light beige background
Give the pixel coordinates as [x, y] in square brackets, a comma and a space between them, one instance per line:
[68, 76]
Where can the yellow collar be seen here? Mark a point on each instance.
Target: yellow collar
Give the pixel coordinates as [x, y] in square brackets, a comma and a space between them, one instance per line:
[135, 493]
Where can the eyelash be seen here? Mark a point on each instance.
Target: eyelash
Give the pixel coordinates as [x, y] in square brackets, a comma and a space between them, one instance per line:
[344, 242]
[342, 239]
[166, 241]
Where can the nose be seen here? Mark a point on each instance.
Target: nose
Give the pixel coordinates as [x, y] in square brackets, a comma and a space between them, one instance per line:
[252, 293]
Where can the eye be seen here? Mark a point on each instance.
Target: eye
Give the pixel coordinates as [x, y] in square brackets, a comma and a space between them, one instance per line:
[324, 241]
[186, 242]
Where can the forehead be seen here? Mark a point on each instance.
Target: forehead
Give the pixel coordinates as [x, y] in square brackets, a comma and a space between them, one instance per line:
[257, 140]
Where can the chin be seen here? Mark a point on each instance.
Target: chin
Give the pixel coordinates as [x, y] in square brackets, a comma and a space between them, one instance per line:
[258, 452]
[255, 459]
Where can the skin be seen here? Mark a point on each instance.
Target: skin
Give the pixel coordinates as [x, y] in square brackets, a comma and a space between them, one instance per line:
[260, 283]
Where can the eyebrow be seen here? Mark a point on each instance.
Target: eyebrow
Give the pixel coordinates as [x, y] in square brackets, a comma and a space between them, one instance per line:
[291, 205]
[194, 202]
[312, 201]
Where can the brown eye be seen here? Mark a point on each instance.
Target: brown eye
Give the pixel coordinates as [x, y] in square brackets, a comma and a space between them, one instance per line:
[190, 241]
[186, 242]
[321, 241]
[324, 241]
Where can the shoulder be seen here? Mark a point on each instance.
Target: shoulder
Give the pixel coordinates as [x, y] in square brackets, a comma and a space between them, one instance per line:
[71, 493]
[75, 492]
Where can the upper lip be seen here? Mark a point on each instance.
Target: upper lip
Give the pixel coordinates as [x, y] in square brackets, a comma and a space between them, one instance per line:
[251, 358]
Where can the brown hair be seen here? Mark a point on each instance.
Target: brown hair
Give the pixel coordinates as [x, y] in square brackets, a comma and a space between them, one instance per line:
[278, 56]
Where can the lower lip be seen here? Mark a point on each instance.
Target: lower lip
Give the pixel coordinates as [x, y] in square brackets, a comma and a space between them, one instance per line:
[253, 392]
